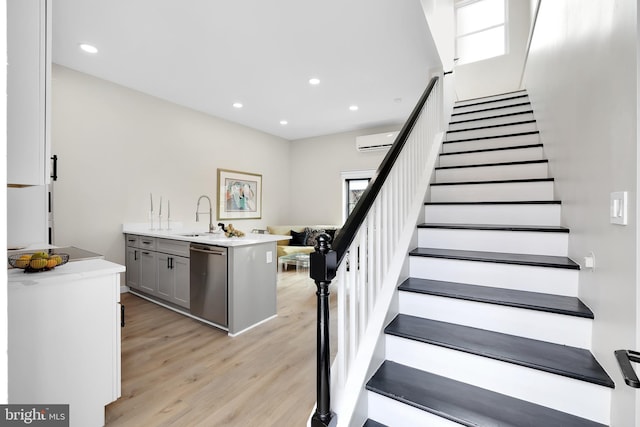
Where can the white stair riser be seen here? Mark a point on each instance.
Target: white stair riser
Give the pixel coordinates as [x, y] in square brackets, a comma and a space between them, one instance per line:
[513, 191]
[498, 142]
[491, 121]
[475, 107]
[519, 214]
[560, 281]
[554, 391]
[494, 156]
[556, 328]
[492, 131]
[393, 413]
[489, 173]
[517, 242]
[492, 98]
[489, 111]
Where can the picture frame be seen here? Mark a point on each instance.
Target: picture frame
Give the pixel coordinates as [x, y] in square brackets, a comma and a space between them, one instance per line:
[239, 195]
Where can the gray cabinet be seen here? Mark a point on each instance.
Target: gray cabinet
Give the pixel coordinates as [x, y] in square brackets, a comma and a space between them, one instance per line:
[159, 268]
[173, 279]
[148, 272]
[181, 294]
[132, 261]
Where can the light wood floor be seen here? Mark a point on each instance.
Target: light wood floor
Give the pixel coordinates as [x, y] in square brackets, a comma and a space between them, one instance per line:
[177, 371]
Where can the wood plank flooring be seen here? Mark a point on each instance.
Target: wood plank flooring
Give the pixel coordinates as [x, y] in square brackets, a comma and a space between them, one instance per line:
[177, 371]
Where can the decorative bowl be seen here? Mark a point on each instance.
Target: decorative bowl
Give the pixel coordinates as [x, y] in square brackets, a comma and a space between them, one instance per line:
[36, 262]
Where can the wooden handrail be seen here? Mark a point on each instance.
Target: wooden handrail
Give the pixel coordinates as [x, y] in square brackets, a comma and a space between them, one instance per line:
[350, 228]
[325, 260]
[625, 357]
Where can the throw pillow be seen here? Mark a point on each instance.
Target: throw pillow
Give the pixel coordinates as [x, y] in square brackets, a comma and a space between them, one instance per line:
[298, 239]
[312, 235]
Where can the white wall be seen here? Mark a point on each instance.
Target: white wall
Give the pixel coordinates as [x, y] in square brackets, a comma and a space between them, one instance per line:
[316, 165]
[441, 19]
[582, 78]
[116, 145]
[502, 73]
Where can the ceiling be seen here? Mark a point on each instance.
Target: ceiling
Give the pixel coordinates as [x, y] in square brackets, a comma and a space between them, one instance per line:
[209, 54]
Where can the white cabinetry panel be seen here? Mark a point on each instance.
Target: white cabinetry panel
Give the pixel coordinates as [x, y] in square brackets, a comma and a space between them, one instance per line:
[28, 100]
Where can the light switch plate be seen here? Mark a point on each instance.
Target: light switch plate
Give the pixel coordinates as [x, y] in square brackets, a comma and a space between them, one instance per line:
[618, 208]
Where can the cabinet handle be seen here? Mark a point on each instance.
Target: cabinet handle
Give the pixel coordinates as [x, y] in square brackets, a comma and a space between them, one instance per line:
[54, 173]
[145, 253]
[168, 263]
[122, 323]
[135, 255]
[146, 243]
[171, 263]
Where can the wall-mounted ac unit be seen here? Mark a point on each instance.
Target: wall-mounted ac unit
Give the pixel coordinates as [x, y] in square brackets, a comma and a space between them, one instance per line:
[376, 142]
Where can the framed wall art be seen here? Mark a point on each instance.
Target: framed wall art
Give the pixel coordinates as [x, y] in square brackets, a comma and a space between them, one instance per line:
[239, 195]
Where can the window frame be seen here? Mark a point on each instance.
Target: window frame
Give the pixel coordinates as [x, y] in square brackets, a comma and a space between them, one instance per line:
[505, 23]
[352, 176]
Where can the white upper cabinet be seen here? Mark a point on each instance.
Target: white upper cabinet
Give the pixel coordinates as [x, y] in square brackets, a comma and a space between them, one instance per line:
[28, 91]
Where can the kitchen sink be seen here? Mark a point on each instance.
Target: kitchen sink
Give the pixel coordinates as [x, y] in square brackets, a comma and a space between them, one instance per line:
[203, 234]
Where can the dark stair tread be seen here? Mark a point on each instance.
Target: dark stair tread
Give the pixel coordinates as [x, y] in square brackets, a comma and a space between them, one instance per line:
[567, 361]
[496, 227]
[510, 93]
[463, 403]
[505, 135]
[487, 165]
[523, 122]
[499, 116]
[538, 301]
[499, 202]
[495, 181]
[498, 257]
[490, 109]
[484, 150]
[489, 101]
[372, 423]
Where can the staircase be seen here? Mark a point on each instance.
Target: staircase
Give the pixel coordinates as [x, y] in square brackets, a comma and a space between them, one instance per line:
[490, 331]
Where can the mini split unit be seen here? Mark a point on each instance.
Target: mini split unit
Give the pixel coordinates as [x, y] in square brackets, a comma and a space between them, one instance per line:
[376, 142]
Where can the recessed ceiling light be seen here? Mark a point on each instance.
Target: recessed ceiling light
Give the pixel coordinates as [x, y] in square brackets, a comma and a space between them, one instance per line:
[237, 105]
[353, 108]
[314, 81]
[88, 48]
[284, 122]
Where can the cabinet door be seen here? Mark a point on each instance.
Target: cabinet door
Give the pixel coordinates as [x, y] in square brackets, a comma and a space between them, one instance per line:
[28, 82]
[165, 277]
[148, 272]
[181, 281]
[133, 267]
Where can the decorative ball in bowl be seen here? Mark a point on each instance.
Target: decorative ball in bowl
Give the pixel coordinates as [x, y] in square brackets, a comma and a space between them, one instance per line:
[38, 261]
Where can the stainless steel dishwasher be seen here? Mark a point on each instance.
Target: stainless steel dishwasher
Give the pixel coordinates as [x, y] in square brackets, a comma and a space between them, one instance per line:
[208, 283]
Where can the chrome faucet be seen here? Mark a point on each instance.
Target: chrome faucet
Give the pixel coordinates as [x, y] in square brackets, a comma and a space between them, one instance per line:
[210, 212]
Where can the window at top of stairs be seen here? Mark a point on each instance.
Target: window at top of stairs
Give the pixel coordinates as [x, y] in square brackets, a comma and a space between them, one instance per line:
[480, 29]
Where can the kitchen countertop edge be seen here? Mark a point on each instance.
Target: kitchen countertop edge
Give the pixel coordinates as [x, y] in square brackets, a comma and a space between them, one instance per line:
[216, 239]
[70, 271]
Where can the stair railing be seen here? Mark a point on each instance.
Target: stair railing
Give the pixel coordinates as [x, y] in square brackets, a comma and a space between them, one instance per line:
[365, 249]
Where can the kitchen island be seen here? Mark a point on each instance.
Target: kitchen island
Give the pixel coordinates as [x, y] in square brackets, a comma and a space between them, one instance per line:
[166, 267]
[64, 338]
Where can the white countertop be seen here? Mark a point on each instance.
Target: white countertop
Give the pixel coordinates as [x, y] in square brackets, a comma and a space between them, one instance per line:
[219, 239]
[74, 270]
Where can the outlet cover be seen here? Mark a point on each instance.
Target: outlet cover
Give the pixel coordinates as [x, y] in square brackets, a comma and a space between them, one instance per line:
[618, 208]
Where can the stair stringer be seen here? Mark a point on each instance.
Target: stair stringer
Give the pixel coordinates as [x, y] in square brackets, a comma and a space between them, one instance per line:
[350, 401]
